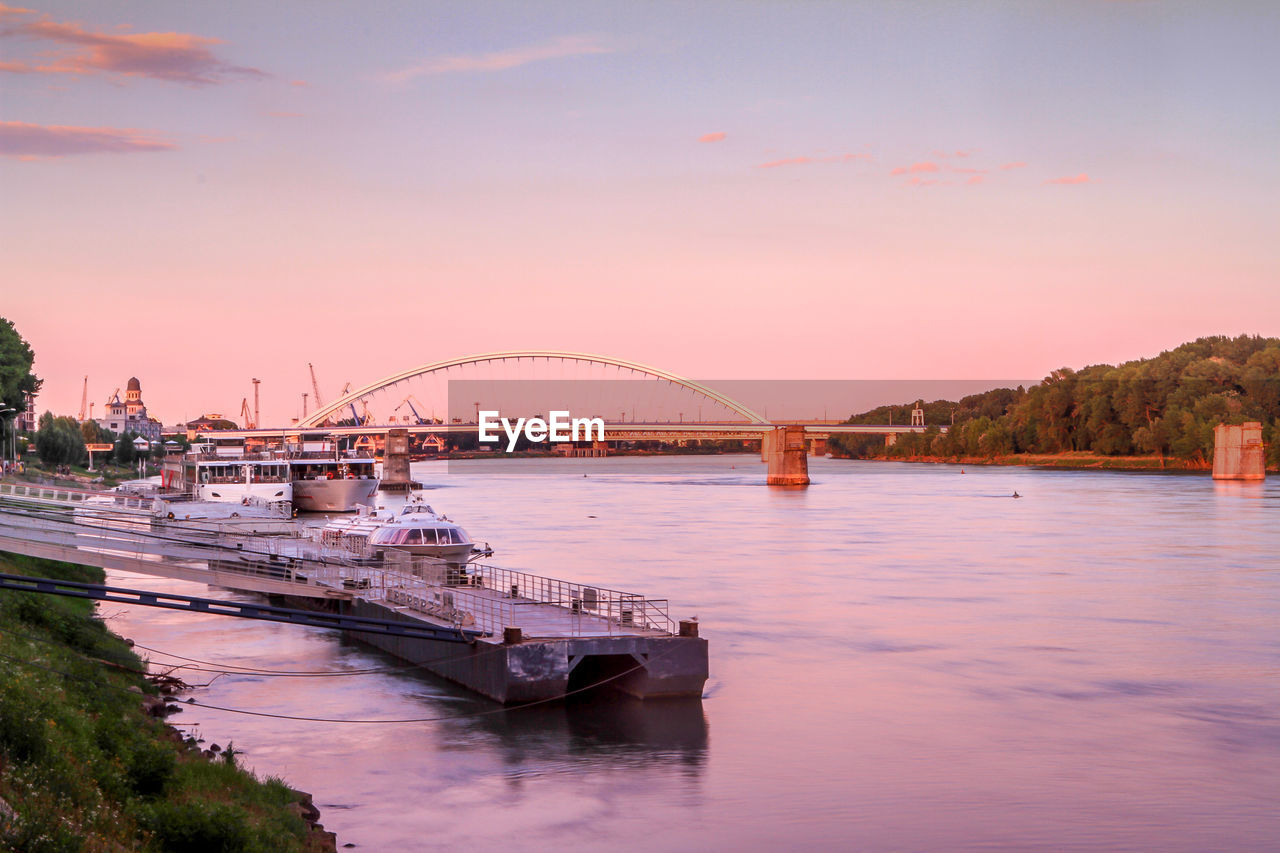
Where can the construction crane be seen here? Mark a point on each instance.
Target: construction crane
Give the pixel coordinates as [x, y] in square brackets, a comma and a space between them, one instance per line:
[113, 396]
[408, 401]
[246, 414]
[315, 386]
[84, 398]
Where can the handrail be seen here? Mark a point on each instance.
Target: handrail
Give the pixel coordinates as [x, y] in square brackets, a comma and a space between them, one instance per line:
[490, 598]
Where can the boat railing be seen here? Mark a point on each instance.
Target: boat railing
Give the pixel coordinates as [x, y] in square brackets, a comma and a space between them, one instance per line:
[491, 598]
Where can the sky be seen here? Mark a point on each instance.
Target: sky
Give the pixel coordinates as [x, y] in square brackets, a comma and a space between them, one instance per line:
[200, 194]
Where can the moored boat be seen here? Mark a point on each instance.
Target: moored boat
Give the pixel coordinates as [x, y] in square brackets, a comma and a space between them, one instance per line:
[416, 529]
[326, 481]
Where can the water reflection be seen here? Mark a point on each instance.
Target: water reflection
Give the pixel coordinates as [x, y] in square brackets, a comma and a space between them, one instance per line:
[899, 660]
[605, 724]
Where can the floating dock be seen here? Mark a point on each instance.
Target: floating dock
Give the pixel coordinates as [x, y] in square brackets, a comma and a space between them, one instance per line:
[519, 638]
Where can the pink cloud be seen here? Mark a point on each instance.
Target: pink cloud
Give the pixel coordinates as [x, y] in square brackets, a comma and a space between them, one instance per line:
[967, 171]
[177, 57]
[32, 141]
[1081, 178]
[806, 160]
[963, 153]
[559, 48]
[790, 161]
[975, 179]
[1015, 165]
[299, 83]
[915, 169]
[718, 136]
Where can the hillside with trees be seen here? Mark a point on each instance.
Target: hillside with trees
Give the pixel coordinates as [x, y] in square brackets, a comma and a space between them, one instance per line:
[1163, 407]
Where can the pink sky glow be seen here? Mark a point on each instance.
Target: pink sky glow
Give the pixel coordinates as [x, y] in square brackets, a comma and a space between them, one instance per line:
[197, 195]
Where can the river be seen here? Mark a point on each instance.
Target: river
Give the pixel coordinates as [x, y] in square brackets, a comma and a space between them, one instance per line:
[902, 657]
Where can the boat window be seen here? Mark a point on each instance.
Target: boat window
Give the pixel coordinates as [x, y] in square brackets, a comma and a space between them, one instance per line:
[429, 537]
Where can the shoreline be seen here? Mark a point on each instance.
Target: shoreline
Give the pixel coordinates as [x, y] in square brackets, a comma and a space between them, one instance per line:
[1079, 460]
[79, 704]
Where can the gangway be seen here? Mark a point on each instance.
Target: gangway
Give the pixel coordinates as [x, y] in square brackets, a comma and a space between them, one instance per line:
[241, 609]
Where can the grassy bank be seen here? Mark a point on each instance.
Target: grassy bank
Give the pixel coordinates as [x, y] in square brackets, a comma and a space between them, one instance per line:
[84, 762]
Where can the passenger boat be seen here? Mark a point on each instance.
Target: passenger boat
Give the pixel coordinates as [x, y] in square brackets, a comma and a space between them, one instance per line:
[416, 529]
[207, 473]
[327, 481]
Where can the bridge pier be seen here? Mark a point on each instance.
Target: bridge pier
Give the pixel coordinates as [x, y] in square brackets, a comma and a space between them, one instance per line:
[395, 462]
[1237, 452]
[817, 447]
[788, 465]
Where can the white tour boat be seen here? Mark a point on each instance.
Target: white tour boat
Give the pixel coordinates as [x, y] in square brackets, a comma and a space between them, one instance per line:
[209, 473]
[328, 481]
[416, 529]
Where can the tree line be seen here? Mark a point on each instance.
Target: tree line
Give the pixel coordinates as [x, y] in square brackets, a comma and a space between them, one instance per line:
[1164, 406]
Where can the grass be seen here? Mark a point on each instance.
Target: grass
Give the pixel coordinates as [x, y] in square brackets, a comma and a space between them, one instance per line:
[84, 767]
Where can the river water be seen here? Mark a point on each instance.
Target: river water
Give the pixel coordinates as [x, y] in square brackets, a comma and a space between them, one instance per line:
[902, 657]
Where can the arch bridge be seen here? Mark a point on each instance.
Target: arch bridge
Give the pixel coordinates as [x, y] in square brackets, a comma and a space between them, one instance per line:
[783, 444]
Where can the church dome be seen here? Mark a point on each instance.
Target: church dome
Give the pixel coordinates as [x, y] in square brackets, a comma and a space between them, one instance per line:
[134, 384]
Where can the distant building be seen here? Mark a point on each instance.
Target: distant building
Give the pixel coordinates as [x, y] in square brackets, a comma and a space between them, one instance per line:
[130, 415]
[208, 422]
[26, 421]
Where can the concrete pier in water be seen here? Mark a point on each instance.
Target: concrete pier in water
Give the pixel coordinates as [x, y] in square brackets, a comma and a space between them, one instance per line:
[1238, 452]
[788, 462]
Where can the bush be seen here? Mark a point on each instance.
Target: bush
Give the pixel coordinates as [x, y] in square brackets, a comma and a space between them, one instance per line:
[197, 827]
[151, 767]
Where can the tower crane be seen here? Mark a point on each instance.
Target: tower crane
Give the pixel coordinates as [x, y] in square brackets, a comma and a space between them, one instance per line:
[409, 402]
[114, 395]
[84, 398]
[246, 414]
[315, 386]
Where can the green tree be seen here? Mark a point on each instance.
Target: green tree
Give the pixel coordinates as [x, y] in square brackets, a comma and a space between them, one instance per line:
[125, 453]
[59, 441]
[16, 378]
[94, 434]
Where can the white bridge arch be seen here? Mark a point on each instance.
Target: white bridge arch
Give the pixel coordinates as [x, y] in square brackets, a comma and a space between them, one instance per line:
[325, 412]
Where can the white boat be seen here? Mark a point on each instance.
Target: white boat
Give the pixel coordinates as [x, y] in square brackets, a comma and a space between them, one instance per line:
[416, 529]
[325, 481]
[211, 474]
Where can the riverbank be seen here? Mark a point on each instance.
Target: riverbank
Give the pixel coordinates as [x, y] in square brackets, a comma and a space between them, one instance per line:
[86, 760]
[1073, 460]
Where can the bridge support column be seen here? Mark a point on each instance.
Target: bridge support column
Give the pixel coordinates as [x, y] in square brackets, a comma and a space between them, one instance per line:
[817, 447]
[766, 442]
[395, 462]
[788, 466]
[1237, 452]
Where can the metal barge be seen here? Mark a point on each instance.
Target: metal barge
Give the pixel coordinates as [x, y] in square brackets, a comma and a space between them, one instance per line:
[512, 636]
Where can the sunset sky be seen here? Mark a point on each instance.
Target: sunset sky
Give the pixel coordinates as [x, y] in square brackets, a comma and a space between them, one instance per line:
[197, 194]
